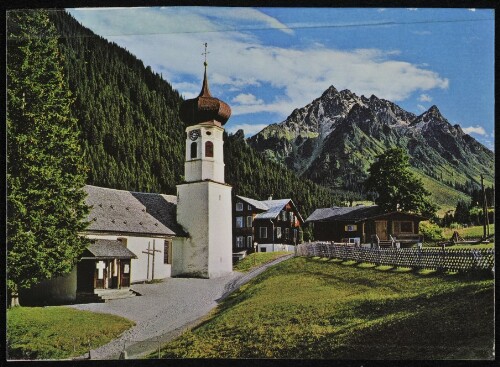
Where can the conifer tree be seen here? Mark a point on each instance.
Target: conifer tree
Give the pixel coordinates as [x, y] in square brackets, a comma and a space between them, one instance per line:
[45, 171]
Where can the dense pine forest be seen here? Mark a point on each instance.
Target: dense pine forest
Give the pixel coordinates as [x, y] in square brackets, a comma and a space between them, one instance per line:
[131, 133]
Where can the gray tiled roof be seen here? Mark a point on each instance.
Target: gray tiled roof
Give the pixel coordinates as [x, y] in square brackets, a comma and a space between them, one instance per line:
[109, 249]
[131, 212]
[355, 213]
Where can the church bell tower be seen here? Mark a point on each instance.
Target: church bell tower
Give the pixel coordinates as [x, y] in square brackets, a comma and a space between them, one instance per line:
[204, 199]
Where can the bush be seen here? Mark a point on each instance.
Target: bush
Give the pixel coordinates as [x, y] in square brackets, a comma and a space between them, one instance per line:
[431, 232]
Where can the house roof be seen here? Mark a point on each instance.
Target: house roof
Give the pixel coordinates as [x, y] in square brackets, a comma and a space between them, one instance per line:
[352, 214]
[270, 208]
[256, 203]
[355, 213]
[108, 249]
[274, 208]
[132, 212]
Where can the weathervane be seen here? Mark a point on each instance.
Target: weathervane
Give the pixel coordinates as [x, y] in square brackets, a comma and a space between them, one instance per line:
[205, 53]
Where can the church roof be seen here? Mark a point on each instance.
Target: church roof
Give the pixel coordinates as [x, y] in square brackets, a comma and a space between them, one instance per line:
[108, 249]
[204, 108]
[124, 211]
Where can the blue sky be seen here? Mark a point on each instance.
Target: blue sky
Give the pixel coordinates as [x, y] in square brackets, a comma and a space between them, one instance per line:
[265, 62]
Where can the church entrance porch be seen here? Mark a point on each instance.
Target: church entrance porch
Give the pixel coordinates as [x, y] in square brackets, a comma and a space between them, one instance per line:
[105, 264]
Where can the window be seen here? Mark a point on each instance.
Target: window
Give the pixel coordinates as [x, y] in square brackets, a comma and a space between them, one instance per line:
[351, 228]
[283, 215]
[278, 232]
[287, 233]
[291, 217]
[239, 241]
[249, 241]
[249, 207]
[167, 252]
[209, 149]
[249, 221]
[263, 232]
[239, 207]
[194, 149]
[403, 227]
[295, 234]
[239, 222]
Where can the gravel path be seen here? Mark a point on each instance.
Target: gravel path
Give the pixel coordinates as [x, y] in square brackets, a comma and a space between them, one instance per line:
[166, 309]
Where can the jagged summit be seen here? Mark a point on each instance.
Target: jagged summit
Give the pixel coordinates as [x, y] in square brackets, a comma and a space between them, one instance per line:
[334, 139]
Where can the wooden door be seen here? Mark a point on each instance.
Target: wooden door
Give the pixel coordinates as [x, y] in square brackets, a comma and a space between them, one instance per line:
[381, 229]
[125, 273]
[85, 276]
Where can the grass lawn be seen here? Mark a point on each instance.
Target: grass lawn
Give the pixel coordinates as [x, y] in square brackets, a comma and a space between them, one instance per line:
[475, 231]
[59, 332]
[319, 308]
[259, 258]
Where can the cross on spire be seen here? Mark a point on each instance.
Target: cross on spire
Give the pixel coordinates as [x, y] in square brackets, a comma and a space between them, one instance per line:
[205, 53]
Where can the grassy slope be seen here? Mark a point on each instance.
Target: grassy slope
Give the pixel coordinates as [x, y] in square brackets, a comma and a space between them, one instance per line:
[445, 197]
[257, 259]
[314, 308]
[59, 332]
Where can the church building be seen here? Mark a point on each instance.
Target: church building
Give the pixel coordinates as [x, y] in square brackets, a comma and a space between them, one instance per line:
[139, 237]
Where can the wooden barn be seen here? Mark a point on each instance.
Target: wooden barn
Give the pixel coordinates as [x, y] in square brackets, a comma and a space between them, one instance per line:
[357, 224]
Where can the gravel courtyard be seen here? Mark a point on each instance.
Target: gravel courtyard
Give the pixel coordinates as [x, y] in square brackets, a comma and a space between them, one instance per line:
[165, 310]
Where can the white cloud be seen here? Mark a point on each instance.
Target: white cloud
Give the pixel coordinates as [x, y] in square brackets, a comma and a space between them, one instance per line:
[421, 108]
[425, 98]
[171, 40]
[249, 129]
[472, 9]
[247, 99]
[412, 9]
[479, 130]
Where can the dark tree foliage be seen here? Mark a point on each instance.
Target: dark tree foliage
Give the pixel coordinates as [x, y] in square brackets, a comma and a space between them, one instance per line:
[396, 187]
[132, 136]
[253, 176]
[45, 170]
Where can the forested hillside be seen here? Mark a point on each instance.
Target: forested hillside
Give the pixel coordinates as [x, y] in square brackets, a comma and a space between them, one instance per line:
[132, 136]
[131, 133]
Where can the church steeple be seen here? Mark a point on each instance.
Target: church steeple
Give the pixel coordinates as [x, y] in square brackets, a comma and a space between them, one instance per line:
[205, 107]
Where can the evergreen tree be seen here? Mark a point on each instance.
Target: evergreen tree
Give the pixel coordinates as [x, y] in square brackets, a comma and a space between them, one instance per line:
[45, 171]
[396, 186]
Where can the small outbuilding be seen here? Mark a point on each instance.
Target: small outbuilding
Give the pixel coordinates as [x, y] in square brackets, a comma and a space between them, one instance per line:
[359, 223]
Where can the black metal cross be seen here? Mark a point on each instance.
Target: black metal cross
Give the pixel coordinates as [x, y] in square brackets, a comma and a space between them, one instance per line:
[206, 52]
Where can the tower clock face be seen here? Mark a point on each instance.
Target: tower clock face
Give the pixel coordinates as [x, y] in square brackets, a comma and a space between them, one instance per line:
[194, 134]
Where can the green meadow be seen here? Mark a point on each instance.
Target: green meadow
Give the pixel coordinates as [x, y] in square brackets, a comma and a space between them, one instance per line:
[59, 332]
[319, 308]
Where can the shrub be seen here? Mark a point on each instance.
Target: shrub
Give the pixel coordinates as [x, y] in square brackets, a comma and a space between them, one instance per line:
[431, 232]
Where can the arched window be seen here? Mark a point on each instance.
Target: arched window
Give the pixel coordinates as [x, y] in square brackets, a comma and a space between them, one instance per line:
[194, 149]
[209, 149]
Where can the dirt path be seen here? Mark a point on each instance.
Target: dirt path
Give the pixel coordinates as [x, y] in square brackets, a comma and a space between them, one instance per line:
[166, 309]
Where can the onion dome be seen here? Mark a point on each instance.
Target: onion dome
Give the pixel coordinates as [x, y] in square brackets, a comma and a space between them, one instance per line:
[204, 108]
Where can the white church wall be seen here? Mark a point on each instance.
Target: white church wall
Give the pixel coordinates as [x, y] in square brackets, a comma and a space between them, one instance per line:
[139, 266]
[220, 235]
[192, 214]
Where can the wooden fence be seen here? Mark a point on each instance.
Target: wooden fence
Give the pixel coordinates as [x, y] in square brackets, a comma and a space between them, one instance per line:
[425, 258]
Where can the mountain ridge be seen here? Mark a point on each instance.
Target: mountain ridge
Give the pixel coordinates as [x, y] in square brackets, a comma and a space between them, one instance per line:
[335, 138]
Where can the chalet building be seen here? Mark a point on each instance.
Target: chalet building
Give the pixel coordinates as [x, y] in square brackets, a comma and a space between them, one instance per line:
[141, 236]
[357, 224]
[275, 225]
